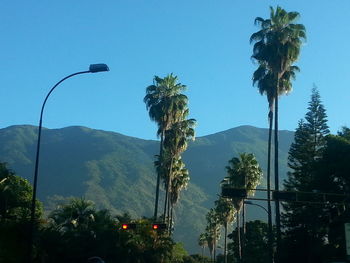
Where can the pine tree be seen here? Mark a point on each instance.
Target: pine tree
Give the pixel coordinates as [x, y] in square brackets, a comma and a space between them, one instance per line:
[316, 124]
[309, 144]
[303, 223]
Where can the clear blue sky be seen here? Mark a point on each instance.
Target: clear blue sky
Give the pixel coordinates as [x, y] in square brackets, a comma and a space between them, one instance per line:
[204, 42]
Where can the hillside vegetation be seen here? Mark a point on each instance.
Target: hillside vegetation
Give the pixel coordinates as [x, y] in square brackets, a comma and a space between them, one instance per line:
[117, 173]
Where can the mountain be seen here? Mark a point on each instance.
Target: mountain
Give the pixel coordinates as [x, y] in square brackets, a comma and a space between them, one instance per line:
[116, 171]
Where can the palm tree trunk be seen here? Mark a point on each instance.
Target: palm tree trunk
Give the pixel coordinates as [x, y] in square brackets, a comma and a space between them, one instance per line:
[225, 245]
[278, 218]
[158, 177]
[168, 211]
[167, 193]
[166, 200]
[215, 247]
[243, 232]
[171, 218]
[239, 238]
[270, 235]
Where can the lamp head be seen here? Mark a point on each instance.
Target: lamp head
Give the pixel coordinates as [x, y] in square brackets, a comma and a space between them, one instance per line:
[94, 68]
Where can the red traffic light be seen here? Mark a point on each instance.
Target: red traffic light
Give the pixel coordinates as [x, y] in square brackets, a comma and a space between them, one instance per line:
[128, 226]
[158, 226]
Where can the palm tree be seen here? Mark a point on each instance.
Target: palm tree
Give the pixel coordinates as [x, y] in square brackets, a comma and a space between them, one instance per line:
[78, 214]
[212, 232]
[264, 80]
[202, 242]
[226, 213]
[176, 142]
[179, 182]
[277, 47]
[166, 105]
[243, 172]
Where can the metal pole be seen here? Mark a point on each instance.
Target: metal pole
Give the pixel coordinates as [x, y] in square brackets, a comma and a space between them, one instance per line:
[243, 232]
[36, 170]
[270, 244]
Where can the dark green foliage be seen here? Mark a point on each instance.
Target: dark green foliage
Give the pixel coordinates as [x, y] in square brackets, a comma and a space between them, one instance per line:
[15, 204]
[317, 231]
[255, 248]
[334, 177]
[304, 223]
[316, 123]
[320, 163]
[196, 259]
[77, 231]
[345, 133]
[178, 253]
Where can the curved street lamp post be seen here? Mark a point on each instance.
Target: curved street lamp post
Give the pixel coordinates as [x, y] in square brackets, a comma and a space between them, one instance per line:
[270, 234]
[251, 203]
[94, 68]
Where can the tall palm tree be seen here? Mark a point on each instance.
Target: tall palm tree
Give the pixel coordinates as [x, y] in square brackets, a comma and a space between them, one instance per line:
[212, 232]
[179, 182]
[242, 172]
[176, 142]
[78, 214]
[264, 80]
[277, 47]
[202, 242]
[166, 105]
[226, 213]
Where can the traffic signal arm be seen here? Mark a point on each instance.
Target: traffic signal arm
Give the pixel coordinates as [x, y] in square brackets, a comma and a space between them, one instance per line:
[284, 196]
[229, 192]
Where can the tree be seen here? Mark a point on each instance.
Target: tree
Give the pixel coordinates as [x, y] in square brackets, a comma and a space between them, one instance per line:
[264, 79]
[178, 253]
[77, 231]
[179, 182]
[212, 232]
[78, 214]
[175, 142]
[226, 213]
[277, 47]
[256, 243]
[305, 152]
[166, 105]
[202, 242]
[332, 176]
[243, 172]
[15, 207]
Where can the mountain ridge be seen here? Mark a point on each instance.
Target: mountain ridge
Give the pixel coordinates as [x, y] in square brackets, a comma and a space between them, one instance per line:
[116, 171]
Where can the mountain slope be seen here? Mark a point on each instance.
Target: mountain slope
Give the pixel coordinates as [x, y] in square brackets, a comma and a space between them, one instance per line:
[116, 171]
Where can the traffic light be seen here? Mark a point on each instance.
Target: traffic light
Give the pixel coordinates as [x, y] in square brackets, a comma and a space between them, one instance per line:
[158, 226]
[284, 196]
[128, 226]
[229, 192]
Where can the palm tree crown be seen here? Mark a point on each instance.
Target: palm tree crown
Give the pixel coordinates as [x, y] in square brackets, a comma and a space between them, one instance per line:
[278, 41]
[165, 102]
[243, 172]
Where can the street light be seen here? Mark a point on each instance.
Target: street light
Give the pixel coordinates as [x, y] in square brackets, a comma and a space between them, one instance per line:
[251, 203]
[94, 68]
[269, 232]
